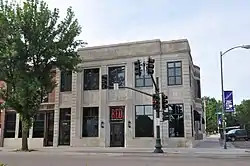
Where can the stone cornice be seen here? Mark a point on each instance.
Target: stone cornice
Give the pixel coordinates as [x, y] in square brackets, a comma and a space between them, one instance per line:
[133, 49]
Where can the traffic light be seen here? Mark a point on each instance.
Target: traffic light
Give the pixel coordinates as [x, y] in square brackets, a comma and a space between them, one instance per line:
[164, 101]
[137, 67]
[156, 102]
[165, 116]
[150, 66]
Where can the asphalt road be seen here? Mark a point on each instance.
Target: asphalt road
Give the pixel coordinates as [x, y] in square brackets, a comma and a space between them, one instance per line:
[29, 159]
[242, 144]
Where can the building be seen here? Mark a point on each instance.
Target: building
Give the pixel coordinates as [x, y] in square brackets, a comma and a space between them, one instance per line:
[87, 111]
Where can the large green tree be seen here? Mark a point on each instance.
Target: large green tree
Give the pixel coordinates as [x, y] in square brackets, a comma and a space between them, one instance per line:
[32, 42]
[211, 117]
[243, 113]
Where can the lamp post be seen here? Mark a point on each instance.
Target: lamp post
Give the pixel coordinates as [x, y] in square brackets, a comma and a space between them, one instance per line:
[222, 89]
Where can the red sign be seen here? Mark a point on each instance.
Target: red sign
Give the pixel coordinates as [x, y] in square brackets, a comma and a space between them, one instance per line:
[116, 113]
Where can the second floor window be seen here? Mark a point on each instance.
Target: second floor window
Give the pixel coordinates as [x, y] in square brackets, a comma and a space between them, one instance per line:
[66, 81]
[116, 75]
[174, 73]
[144, 80]
[91, 79]
[198, 90]
[45, 99]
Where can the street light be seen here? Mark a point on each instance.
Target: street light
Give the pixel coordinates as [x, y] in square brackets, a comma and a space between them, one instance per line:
[222, 89]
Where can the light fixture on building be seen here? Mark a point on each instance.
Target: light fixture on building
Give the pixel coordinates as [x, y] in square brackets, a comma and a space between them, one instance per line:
[102, 124]
[129, 124]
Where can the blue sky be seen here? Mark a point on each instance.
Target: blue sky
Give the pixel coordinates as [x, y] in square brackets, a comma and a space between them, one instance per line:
[209, 25]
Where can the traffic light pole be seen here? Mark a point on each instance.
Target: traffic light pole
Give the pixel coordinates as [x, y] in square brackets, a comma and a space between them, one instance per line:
[158, 145]
[145, 93]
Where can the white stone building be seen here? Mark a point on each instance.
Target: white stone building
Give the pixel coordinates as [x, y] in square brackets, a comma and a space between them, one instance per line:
[83, 112]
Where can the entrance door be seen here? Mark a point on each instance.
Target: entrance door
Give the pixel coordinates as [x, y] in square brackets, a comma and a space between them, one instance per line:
[49, 128]
[64, 126]
[117, 134]
[117, 126]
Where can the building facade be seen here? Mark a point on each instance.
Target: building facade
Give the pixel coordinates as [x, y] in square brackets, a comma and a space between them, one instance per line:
[86, 110]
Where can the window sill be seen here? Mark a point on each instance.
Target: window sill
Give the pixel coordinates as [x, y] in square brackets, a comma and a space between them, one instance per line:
[66, 92]
[143, 137]
[89, 137]
[175, 86]
[144, 87]
[95, 90]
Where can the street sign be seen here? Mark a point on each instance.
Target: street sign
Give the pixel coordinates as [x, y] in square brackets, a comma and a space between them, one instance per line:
[228, 101]
[116, 86]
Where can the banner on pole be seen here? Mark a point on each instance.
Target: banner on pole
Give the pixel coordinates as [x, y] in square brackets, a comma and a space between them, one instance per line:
[228, 101]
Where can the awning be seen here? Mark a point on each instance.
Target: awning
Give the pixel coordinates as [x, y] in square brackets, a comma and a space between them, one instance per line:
[197, 116]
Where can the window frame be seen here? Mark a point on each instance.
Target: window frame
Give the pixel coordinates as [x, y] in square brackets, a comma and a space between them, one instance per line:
[144, 76]
[98, 79]
[144, 108]
[183, 114]
[175, 76]
[7, 122]
[109, 82]
[34, 128]
[63, 76]
[83, 117]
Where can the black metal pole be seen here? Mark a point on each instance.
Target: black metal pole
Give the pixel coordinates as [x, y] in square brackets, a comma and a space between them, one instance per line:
[158, 145]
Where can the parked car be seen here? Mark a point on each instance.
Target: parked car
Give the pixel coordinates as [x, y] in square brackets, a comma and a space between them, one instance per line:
[231, 128]
[236, 134]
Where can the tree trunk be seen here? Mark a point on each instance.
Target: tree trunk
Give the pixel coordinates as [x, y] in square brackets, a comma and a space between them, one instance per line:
[25, 131]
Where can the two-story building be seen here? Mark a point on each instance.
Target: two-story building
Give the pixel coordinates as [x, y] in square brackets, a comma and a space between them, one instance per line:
[86, 110]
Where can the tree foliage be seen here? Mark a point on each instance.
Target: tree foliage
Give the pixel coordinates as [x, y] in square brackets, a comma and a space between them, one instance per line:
[211, 117]
[243, 112]
[240, 118]
[33, 41]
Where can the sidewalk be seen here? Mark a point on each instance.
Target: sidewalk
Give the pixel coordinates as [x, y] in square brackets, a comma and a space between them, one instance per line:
[138, 151]
[214, 142]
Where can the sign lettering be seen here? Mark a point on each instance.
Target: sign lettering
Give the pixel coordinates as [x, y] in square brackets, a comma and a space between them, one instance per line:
[116, 113]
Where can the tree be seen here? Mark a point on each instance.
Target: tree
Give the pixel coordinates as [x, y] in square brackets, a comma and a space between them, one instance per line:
[33, 42]
[211, 117]
[243, 112]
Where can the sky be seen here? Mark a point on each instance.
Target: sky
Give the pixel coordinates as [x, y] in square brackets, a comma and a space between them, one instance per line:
[210, 26]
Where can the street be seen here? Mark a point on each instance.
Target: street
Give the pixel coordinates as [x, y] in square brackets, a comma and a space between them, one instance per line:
[31, 159]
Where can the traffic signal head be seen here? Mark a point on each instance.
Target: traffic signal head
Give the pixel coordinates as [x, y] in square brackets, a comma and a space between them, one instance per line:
[165, 116]
[150, 66]
[156, 102]
[137, 67]
[164, 101]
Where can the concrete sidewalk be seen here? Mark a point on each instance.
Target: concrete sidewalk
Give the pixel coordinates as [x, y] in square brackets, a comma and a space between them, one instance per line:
[213, 141]
[137, 151]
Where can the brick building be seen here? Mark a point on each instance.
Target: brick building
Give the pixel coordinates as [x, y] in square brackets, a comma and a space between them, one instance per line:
[83, 111]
